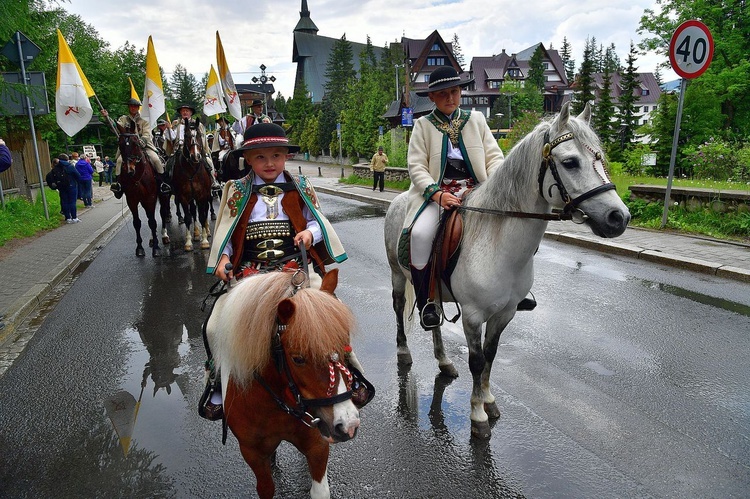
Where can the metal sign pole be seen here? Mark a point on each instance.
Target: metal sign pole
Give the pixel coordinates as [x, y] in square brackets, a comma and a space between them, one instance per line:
[678, 120]
[31, 122]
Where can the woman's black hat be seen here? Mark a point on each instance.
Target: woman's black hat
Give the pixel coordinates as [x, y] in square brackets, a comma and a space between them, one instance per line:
[442, 78]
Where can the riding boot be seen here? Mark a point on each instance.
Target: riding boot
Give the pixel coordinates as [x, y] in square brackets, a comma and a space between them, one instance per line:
[526, 304]
[215, 185]
[116, 188]
[164, 186]
[430, 315]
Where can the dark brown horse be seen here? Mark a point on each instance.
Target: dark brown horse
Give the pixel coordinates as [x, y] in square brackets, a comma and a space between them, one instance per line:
[282, 353]
[192, 185]
[140, 188]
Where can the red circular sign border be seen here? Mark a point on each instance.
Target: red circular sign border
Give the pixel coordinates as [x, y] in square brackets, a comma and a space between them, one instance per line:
[675, 67]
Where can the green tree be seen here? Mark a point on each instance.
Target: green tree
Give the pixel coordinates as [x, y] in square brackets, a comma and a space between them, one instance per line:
[584, 84]
[535, 79]
[566, 54]
[184, 88]
[299, 109]
[340, 76]
[630, 85]
[604, 111]
[728, 76]
[457, 53]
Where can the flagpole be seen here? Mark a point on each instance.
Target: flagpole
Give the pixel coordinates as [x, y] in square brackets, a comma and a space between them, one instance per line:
[109, 120]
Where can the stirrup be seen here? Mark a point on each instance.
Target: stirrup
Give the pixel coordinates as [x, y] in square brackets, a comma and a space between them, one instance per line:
[438, 314]
[165, 188]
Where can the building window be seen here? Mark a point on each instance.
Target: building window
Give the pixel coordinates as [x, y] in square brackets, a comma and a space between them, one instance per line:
[545, 65]
[493, 84]
[427, 78]
[645, 109]
[465, 101]
[436, 61]
[644, 92]
[483, 100]
[435, 48]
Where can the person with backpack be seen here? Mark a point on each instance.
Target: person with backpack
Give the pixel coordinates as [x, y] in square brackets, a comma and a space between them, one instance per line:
[68, 189]
[5, 158]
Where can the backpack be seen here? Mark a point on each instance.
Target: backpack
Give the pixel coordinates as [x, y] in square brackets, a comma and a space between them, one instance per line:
[57, 178]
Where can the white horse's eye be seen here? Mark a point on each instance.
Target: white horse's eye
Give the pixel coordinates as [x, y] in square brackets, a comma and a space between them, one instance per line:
[570, 163]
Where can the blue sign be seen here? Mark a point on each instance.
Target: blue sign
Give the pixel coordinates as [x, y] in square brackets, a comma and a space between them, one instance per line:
[407, 117]
[380, 130]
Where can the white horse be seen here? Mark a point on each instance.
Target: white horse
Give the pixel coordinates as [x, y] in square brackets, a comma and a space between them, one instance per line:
[558, 166]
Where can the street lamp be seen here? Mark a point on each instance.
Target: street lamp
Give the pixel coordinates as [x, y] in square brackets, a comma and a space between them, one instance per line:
[396, 66]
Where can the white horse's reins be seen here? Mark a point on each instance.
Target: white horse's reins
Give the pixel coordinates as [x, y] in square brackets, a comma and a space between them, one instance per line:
[571, 210]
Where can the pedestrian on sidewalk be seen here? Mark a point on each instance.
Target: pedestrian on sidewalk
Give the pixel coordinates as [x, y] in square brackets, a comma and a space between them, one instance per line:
[109, 166]
[69, 192]
[86, 171]
[377, 166]
[99, 167]
[5, 158]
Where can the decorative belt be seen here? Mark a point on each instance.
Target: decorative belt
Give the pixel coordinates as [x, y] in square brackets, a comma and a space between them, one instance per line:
[268, 228]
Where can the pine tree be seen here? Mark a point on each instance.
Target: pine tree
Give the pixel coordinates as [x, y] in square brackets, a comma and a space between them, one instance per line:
[630, 85]
[340, 76]
[585, 82]
[604, 112]
[457, 53]
[568, 61]
[184, 87]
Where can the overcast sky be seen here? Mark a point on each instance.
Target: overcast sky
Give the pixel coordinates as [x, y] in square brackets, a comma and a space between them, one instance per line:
[260, 32]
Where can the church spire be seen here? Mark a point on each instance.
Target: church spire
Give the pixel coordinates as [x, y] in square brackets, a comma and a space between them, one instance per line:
[306, 24]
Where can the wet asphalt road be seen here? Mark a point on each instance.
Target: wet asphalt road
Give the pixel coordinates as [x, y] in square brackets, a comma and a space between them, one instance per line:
[629, 380]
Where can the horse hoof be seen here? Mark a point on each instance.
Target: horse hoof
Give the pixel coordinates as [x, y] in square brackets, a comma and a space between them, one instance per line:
[150, 243]
[188, 248]
[404, 359]
[481, 430]
[492, 410]
[140, 252]
[165, 240]
[205, 246]
[449, 370]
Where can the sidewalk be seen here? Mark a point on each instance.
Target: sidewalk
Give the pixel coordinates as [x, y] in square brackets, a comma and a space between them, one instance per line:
[32, 270]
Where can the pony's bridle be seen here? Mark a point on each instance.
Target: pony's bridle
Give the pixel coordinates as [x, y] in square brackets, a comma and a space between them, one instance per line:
[301, 403]
[548, 162]
[133, 158]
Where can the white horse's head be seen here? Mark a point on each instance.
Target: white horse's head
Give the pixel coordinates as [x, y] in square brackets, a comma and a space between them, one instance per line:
[573, 177]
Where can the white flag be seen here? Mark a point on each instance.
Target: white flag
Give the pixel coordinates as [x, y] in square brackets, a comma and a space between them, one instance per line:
[72, 105]
[230, 92]
[153, 91]
[213, 102]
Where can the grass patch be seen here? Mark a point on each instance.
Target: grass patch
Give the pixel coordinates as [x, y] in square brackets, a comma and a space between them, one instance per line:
[352, 179]
[22, 218]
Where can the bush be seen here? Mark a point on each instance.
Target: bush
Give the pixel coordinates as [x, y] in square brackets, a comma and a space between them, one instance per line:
[741, 170]
[714, 159]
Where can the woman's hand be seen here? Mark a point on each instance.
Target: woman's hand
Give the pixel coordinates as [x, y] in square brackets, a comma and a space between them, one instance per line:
[305, 237]
[446, 200]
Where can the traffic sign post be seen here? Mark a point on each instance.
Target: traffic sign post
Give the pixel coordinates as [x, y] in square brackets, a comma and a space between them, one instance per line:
[690, 52]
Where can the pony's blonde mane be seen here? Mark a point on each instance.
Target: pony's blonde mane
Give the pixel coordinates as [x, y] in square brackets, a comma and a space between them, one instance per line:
[320, 325]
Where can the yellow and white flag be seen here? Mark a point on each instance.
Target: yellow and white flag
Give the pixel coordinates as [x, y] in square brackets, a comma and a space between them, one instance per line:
[153, 91]
[72, 93]
[227, 83]
[133, 93]
[213, 102]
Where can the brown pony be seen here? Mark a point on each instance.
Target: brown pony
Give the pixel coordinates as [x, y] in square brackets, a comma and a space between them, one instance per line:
[140, 187]
[192, 185]
[278, 347]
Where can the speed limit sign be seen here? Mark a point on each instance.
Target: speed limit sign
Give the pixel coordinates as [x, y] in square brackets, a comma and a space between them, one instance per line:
[691, 49]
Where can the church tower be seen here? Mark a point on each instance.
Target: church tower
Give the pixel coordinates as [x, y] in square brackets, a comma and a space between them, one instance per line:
[305, 24]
